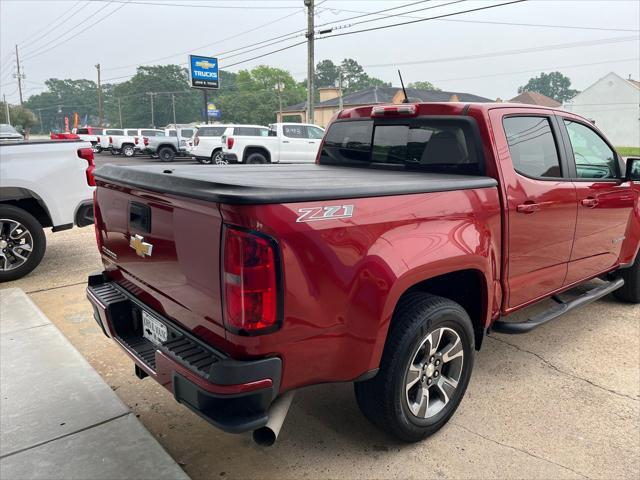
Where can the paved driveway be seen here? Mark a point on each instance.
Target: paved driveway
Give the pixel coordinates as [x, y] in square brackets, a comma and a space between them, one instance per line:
[560, 402]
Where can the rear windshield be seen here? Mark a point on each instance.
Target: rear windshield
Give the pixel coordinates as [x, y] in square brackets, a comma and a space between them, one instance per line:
[211, 131]
[437, 145]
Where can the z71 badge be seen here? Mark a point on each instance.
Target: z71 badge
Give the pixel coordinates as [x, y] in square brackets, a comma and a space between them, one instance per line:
[315, 214]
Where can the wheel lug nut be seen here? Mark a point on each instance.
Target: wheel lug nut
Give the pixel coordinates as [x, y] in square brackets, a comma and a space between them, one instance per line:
[431, 359]
[437, 362]
[428, 381]
[436, 373]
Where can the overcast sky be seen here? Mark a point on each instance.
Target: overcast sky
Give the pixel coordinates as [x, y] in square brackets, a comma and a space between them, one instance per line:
[457, 53]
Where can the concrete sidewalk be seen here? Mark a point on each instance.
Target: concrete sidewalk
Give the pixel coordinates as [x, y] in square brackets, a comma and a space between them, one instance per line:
[58, 418]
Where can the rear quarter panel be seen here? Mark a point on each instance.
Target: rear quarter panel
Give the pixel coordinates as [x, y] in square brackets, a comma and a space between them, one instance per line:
[343, 277]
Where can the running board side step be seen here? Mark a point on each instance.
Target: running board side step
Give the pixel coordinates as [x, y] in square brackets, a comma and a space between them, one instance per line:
[560, 309]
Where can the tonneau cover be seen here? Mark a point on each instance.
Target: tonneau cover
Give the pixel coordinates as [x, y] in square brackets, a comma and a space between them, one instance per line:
[262, 184]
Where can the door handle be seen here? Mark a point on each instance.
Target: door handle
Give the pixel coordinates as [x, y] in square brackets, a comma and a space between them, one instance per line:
[589, 202]
[285, 141]
[528, 208]
[313, 143]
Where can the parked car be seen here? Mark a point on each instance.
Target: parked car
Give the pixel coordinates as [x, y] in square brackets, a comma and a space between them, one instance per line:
[9, 134]
[42, 184]
[284, 143]
[206, 146]
[167, 147]
[90, 134]
[421, 228]
[103, 140]
[131, 141]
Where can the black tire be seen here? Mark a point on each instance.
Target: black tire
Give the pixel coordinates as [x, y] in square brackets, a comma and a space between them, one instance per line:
[630, 291]
[385, 399]
[113, 151]
[96, 149]
[128, 150]
[217, 157]
[166, 154]
[256, 158]
[34, 229]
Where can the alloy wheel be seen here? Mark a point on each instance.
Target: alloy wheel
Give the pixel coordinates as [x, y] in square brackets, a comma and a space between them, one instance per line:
[16, 244]
[434, 373]
[218, 159]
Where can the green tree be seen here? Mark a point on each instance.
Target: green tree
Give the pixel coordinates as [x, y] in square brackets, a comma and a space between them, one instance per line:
[554, 85]
[21, 117]
[327, 74]
[423, 85]
[354, 77]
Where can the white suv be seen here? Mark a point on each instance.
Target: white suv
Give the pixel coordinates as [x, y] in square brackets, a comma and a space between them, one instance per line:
[206, 145]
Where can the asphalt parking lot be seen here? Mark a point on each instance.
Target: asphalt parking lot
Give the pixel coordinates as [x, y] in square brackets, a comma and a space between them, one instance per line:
[560, 402]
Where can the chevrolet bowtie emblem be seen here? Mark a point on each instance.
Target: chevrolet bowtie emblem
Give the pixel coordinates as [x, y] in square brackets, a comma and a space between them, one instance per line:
[142, 248]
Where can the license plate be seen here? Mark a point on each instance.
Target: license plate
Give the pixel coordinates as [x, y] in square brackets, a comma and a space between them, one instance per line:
[152, 329]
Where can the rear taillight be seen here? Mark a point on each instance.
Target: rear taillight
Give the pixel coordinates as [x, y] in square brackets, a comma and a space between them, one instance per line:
[98, 139]
[145, 141]
[196, 141]
[250, 282]
[87, 154]
[404, 110]
[110, 140]
[135, 140]
[230, 142]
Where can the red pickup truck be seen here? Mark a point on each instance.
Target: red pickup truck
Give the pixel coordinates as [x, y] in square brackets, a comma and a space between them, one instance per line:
[420, 228]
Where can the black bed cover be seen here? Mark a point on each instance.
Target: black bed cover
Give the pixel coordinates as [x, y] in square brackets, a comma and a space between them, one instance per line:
[282, 183]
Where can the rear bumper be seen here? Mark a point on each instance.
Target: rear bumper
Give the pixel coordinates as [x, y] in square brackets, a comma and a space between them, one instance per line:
[232, 395]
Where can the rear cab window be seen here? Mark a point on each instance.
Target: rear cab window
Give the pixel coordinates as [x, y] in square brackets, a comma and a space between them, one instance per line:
[436, 145]
[210, 131]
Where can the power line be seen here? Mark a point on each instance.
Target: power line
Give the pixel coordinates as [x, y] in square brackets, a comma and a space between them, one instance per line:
[187, 5]
[500, 53]
[478, 9]
[91, 25]
[55, 25]
[571, 27]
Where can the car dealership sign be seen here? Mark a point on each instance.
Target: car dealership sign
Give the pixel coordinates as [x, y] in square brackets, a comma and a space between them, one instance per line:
[203, 72]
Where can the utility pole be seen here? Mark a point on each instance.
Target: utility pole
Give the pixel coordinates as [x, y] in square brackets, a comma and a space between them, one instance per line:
[310, 60]
[40, 116]
[6, 105]
[173, 105]
[120, 112]
[205, 94]
[153, 122]
[340, 104]
[100, 119]
[279, 86]
[19, 75]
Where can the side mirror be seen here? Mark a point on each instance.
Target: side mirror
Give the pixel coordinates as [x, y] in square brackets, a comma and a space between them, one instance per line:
[633, 170]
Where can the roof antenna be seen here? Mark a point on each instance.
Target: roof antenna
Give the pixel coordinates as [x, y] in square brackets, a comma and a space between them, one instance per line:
[406, 98]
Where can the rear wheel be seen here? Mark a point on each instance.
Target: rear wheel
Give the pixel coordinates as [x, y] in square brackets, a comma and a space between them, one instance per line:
[166, 154]
[218, 158]
[255, 158]
[113, 151]
[128, 150]
[630, 291]
[22, 243]
[96, 148]
[425, 368]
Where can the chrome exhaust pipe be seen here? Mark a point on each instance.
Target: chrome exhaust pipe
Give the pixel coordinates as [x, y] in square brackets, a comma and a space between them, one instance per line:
[267, 435]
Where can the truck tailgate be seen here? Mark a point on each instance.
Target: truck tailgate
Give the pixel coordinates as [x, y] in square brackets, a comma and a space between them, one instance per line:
[166, 251]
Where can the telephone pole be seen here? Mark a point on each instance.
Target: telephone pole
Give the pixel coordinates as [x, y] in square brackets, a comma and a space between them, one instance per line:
[153, 122]
[19, 75]
[279, 87]
[310, 60]
[173, 105]
[120, 112]
[40, 116]
[100, 119]
[6, 105]
[340, 104]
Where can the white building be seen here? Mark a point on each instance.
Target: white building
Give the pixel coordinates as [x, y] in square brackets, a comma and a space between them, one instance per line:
[613, 104]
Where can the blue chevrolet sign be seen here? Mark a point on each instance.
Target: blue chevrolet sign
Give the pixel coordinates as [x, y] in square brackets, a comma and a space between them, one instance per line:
[203, 72]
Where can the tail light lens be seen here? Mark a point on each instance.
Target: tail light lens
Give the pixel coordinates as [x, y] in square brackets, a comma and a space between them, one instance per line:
[110, 139]
[230, 142]
[250, 282]
[196, 140]
[145, 140]
[87, 154]
[405, 110]
[135, 140]
[98, 139]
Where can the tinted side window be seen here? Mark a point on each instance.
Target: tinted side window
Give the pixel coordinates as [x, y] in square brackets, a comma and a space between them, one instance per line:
[186, 133]
[294, 131]
[593, 157]
[251, 132]
[173, 133]
[114, 132]
[132, 132]
[532, 147]
[82, 131]
[210, 131]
